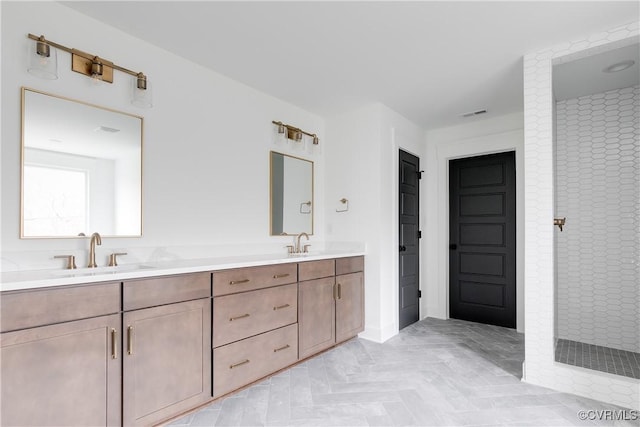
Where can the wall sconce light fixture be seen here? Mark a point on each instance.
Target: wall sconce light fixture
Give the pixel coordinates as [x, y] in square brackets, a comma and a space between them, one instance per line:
[294, 133]
[299, 138]
[43, 63]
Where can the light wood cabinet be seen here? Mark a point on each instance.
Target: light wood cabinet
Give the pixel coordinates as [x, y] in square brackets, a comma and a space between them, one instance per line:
[330, 309]
[349, 305]
[40, 307]
[252, 278]
[63, 374]
[141, 351]
[242, 362]
[166, 360]
[317, 316]
[242, 315]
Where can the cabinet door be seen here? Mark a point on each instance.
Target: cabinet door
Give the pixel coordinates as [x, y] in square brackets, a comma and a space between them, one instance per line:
[349, 306]
[166, 360]
[63, 374]
[316, 316]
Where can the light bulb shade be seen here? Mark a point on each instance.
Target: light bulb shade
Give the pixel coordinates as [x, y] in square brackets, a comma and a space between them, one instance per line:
[43, 61]
[278, 135]
[141, 95]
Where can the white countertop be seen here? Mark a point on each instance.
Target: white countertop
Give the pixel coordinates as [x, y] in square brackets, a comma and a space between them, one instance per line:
[18, 280]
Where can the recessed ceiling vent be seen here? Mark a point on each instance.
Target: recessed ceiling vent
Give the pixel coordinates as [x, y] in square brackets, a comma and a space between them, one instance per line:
[106, 129]
[473, 113]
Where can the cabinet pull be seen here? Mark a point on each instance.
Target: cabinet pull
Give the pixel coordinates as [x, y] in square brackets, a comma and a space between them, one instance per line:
[281, 348]
[231, 319]
[281, 307]
[244, 362]
[280, 276]
[237, 282]
[114, 343]
[130, 340]
[339, 291]
[335, 291]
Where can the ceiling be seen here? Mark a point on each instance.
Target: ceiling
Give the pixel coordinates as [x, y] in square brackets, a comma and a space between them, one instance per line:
[585, 76]
[429, 61]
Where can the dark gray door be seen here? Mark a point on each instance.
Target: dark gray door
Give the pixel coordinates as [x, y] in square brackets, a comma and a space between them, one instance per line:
[409, 248]
[482, 251]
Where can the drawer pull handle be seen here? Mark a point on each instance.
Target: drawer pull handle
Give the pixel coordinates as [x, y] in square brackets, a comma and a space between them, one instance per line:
[114, 343]
[231, 319]
[281, 307]
[237, 282]
[130, 340]
[280, 276]
[244, 362]
[281, 348]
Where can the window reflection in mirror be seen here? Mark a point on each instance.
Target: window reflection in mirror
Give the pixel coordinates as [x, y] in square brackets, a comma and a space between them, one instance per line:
[291, 191]
[81, 169]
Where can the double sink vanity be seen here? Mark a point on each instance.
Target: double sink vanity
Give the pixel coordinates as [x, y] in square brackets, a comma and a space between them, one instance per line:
[139, 345]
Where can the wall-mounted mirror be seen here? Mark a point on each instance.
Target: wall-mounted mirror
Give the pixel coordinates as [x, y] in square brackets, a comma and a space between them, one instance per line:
[291, 194]
[81, 169]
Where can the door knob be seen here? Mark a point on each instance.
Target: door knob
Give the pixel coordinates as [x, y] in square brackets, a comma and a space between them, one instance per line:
[453, 246]
[403, 248]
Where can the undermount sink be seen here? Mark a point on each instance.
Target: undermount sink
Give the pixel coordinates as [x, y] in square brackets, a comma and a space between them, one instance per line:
[101, 270]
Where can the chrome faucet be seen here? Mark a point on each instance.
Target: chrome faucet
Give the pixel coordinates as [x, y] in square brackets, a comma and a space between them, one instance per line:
[298, 249]
[95, 240]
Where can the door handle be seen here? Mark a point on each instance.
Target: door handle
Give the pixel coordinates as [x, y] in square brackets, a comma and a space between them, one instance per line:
[130, 340]
[403, 248]
[453, 246]
[114, 343]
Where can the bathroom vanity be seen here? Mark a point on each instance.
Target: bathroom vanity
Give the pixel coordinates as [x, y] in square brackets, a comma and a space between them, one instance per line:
[145, 345]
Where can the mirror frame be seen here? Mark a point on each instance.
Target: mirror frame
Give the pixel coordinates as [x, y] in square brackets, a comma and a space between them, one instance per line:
[23, 91]
[313, 203]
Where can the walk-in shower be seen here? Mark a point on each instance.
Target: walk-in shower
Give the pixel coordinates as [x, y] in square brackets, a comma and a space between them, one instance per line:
[597, 194]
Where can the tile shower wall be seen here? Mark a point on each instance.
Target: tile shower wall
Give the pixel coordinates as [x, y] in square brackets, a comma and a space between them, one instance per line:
[598, 190]
[539, 269]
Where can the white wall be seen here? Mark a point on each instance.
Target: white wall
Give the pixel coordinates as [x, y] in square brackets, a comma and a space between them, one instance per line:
[493, 135]
[362, 156]
[598, 191]
[206, 142]
[540, 365]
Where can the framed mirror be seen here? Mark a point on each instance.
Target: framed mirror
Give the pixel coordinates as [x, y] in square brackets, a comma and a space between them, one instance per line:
[81, 169]
[291, 195]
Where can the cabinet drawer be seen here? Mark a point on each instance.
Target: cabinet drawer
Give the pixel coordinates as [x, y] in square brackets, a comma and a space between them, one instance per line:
[349, 265]
[316, 269]
[251, 278]
[155, 291]
[30, 308]
[239, 316]
[243, 362]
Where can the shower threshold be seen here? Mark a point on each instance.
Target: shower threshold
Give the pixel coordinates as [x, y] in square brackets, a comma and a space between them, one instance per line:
[598, 358]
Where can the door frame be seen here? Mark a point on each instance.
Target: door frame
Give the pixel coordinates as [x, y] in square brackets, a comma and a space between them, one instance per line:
[489, 144]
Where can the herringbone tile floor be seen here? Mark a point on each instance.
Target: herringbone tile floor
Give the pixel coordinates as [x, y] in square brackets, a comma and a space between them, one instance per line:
[435, 372]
